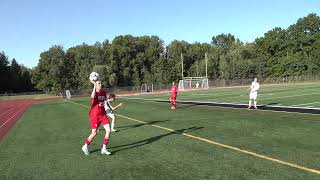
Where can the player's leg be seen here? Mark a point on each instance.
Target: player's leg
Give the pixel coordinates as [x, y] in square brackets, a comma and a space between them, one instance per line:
[255, 100]
[250, 100]
[106, 126]
[94, 126]
[85, 148]
[174, 102]
[171, 101]
[113, 119]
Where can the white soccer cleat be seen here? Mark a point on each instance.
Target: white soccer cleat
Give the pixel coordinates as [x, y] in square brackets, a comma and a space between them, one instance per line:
[85, 150]
[113, 130]
[105, 151]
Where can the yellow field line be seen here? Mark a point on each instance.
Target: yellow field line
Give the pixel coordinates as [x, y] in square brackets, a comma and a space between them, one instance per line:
[226, 146]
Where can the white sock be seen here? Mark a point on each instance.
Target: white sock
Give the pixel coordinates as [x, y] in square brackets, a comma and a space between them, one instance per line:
[104, 146]
[250, 103]
[85, 145]
[255, 103]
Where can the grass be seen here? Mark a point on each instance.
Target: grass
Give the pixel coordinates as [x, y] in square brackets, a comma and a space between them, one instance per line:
[46, 142]
[302, 94]
[34, 96]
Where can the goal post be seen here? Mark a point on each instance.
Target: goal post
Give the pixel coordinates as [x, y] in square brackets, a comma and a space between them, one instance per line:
[189, 83]
[146, 88]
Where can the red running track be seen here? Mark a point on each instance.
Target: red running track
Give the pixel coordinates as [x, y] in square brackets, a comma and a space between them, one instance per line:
[11, 111]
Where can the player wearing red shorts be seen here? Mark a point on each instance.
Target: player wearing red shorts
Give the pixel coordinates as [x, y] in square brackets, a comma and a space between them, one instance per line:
[98, 116]
[173, 97]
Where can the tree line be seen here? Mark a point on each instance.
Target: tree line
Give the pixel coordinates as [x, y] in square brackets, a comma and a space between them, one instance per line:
[131, 61]
[14, 77]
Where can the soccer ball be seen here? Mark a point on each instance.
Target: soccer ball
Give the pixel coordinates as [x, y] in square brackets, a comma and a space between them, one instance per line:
[94, 76]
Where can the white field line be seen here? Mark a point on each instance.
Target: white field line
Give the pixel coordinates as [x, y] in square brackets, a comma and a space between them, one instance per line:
[11, 108]
[289, 96]
[259, 99]
[213, 88]
[279, 97]
[25, 103]
[231, 103]
[265, 85]
[306, 104]
[227, 146]
[11, 117]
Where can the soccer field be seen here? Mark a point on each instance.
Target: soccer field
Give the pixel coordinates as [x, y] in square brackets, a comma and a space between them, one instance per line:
[292, 95]
[154, 142]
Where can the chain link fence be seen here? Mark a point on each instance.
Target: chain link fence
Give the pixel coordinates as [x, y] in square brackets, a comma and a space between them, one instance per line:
[131, 90]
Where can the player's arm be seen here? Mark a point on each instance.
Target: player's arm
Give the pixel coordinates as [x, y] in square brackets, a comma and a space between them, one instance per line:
[116, 107]
[258, 87]
[93, 94]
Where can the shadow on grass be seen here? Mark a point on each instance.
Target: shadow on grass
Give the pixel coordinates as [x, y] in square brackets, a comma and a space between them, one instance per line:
[123, 147]
[269, 104]
[273, 103]
[185, 106]
[122, 128]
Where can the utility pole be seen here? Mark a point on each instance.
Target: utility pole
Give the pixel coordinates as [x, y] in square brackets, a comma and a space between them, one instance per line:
[181, 65]
[206, 59]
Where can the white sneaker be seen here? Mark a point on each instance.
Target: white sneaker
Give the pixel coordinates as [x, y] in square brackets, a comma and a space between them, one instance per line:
[113, 130]
[85, 150]
[105, 151]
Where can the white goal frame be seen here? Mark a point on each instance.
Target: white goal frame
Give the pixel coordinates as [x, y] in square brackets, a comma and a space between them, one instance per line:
[145, 88]
[189, 83]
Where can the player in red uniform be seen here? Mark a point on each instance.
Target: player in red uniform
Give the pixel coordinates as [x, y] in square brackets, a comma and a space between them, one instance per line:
[173, 97]
[98, 116]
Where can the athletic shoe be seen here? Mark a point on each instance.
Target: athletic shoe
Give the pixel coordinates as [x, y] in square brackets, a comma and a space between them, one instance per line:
[85, 150]
[105, 151]
[113, 130]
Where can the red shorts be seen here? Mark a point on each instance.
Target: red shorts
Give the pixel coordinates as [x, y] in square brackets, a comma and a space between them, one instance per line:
[96, 121]
[173, 98]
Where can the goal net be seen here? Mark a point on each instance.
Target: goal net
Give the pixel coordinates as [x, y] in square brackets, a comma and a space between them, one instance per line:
[146, 88]
[193, 83]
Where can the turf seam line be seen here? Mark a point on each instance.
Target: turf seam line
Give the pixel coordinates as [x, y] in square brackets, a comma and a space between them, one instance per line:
[225, 146]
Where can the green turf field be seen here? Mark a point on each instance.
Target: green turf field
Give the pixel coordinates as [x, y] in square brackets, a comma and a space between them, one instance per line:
[46, 143]
[299, 94]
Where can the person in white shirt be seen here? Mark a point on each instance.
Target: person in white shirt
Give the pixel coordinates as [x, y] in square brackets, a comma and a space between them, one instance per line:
[109, 110]
[253, 93]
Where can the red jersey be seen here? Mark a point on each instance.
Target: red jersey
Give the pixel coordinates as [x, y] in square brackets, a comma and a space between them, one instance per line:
[174, 90]
[97, 107]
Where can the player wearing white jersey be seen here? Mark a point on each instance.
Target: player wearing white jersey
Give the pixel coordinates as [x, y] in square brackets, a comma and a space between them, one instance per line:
[109, 110]
[253, 93]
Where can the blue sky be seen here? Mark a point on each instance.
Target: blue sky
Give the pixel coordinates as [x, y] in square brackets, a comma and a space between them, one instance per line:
[29, 27]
